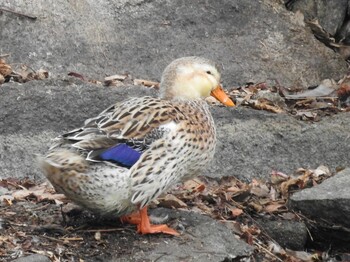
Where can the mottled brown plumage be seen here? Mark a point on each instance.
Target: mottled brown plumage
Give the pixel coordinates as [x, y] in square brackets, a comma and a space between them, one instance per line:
[165, 140]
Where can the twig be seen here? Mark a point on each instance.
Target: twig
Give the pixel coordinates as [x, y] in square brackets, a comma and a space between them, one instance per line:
[310, 235]
[65, 239]
[267, 251]
[18, 13]
[41, 208]
[4, 55]
[16, 185]
[52, 238]
[103, 230]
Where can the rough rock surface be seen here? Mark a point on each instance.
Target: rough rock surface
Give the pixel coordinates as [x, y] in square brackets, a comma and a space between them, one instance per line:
[328, 202]
[32, 258]
[205, 239]
[331, 14]
[254, 40]
[288, 234]
[251, 143]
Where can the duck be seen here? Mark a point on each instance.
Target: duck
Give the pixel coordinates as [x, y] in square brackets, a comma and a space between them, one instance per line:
[121, 160]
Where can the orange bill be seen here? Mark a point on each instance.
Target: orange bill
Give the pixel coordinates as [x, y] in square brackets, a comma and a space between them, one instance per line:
[220, 95]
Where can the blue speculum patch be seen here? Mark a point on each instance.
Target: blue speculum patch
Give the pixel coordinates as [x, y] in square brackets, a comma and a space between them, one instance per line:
[122, 154]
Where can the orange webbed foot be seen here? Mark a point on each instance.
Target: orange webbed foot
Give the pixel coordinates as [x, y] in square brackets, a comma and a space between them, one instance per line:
[156, 229]
[133, 218]
[145, 227]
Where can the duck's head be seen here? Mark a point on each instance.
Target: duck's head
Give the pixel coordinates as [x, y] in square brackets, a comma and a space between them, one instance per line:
[192, 78]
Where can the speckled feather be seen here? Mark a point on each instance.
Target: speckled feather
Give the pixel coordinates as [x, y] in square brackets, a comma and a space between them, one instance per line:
[176, 138]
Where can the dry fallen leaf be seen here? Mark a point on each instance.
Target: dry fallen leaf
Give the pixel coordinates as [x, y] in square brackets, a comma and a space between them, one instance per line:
[260, 190]
[273, 207]
[41, 192]
[278, 177]
[284, 187]
[264, 104]
[41, 74]
[146, 83]
[116, 77]
[326, 88]
[2, 79]
[77, 75]
[171, 201]
[236, 212]
[5, 69]
[322, 171]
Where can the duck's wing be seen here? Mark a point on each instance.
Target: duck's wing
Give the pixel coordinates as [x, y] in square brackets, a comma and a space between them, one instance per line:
[123, 131]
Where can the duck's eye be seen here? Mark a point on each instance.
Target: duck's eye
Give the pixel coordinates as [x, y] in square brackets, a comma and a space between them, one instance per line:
[209, 73]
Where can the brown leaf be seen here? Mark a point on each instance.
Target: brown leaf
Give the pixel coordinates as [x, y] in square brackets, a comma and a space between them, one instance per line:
[284, 187]
[273, 207]
[273, 194]
[344, 91]
[2, 79]
[41, 192]
[257, 206]
[6, 199]
[278, 177]
[77, 75]
[41, 74]
[261, 190]
[116, 77]
[22, 194]
[171, 201]
[113, 83]
[194, 185]
[236, 212]
[5, 69]
[146, 83]
[326, 88]
[322, 171]
[95, 82]
[234, 189]
[300, 256]
[248, 238]
[58, 198]
[264, 104]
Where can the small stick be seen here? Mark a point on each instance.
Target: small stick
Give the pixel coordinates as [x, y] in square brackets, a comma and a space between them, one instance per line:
[71, 239]
[18, 13]
[53, 239]
[103, 230]
[268, 251]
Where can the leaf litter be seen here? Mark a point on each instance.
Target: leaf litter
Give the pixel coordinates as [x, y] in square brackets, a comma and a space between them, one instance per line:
[33, 217]
[304, 103]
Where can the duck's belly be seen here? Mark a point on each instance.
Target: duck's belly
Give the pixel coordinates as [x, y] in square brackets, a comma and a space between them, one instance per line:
[104, 190]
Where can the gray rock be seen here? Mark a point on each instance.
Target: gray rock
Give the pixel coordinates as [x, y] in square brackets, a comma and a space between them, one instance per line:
[251, 143]
[328, 202]
[204, 239]
[254, 40]
[288, 234]
[32, 258]
[331, 14]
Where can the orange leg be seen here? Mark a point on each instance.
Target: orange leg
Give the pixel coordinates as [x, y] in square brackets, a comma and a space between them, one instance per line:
[133, 218]
[145, 227]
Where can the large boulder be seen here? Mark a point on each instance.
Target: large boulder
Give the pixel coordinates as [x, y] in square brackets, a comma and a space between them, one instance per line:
[328, 202]
[253, 40]
[251, 143]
